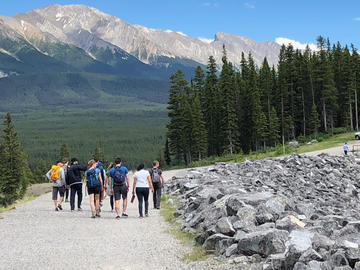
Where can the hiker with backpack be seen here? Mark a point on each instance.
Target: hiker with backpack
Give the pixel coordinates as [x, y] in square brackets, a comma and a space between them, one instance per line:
[119, 183]
[75, 183]
[108, 186]
[142, 183]
[56, 176]
[94, 186]
[67, 187]
[158, 183]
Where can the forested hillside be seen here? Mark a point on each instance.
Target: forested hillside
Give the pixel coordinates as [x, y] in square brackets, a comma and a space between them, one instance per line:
[254, 108]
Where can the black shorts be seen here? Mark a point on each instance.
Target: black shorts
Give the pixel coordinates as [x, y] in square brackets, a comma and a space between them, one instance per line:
[56, 190]
[94, 190]
[120, 190]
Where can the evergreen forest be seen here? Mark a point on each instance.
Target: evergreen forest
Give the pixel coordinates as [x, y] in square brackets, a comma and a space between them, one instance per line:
[243, 108]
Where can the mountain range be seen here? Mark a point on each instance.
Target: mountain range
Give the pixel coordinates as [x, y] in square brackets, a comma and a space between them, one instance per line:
[61, 51]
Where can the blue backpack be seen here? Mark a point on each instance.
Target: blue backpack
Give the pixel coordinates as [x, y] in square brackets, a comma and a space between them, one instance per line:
[119, 175]
[92, 178]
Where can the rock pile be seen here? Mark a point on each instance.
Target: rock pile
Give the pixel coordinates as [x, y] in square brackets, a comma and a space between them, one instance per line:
[298, 212]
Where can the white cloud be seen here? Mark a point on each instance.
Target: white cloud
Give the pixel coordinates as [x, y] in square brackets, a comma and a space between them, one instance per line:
[210, 4]
[357, 19]
[249, 5]
[206, 40]
[178, 32]
[296, 44]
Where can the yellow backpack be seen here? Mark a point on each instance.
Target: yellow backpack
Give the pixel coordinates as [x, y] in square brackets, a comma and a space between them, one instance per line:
[55, 173]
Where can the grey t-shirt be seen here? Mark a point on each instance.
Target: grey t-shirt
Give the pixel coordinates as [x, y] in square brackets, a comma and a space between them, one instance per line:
[61, 181]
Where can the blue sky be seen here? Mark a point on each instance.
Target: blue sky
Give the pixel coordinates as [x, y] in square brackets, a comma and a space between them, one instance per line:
[260, 20]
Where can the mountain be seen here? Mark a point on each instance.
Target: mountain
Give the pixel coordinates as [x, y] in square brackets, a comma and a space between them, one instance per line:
[89, 28]
[63, 52]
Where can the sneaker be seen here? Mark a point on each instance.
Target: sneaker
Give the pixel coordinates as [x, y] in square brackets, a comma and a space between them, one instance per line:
[124, 215]
[72, 210]
[56, 209]
[141, 217]
[67, 200]
[60, 207]
[79, 209]
[158, 208]
[117, 217]
[146, 215]
[92, 216]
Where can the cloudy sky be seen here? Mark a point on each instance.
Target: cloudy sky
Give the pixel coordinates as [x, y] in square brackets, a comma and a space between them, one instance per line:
[299, 22]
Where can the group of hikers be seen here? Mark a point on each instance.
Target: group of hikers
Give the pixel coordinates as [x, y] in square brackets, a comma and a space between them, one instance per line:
[114, 182]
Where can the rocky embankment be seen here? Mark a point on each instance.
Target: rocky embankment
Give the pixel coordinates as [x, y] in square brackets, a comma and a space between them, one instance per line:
[298, 212]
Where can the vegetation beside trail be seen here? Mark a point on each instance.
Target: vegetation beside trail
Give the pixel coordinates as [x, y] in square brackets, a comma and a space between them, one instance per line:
[325, 142]
[197, 253]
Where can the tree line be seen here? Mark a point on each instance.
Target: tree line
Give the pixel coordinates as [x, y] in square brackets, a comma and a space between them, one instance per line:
[244, 108]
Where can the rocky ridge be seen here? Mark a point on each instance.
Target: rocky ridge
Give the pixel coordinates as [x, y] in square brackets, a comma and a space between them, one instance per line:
[298, 212]
[87, 27]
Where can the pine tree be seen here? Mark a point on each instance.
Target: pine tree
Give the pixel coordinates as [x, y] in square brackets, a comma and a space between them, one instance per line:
[167, 153]
[186, 129]
[228, 123]
[198, 135]
[273, 134]
[178, 88]
[211, 108]
[99, 151]
[64, 152]
[314, 121]
[14, 169]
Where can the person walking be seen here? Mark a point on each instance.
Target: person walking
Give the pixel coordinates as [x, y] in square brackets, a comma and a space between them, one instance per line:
[108, 186]
[119, 183]
[75, 183]
[94, 185]
[56, 175]
[346, 148]
[158, 182]
[142, 183]
[67, 187]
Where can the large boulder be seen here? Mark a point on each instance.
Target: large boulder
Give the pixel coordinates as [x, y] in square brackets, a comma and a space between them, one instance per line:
[263, 243]
[213, 242]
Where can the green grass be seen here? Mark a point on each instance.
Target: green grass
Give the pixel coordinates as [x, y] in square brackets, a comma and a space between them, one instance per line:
[187, 239]
[13, 206]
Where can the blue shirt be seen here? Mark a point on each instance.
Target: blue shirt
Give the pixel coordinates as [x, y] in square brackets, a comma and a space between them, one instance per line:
[122, 168]
[346, 147]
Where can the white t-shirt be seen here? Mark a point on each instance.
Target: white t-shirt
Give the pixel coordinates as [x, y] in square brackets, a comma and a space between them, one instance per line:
[141, 177]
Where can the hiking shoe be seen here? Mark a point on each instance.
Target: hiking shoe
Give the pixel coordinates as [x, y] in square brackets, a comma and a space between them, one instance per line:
[60, 207]
[124, 215]
[92, 216]
[56, 209]
[67, 200]
[117, 217]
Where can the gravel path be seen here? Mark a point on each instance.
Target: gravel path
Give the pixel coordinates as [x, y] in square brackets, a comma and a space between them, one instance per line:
[34, 236]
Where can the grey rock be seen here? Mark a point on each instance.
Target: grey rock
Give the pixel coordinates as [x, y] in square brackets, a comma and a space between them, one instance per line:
[294, 144]
[247, 219]
[212, 242]
[301, 240]
[357, 266]
[224, 226]
[263, 242]
[232, 250]
[310, 255]
[339, 259]
[315, 265]
[299, 266]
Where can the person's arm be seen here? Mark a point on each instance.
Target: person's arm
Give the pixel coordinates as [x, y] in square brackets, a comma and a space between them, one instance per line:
[162, 181]
[101, 181]
[128, 181]
[150, 183]
[62, 176]
[48, 174]
[134, 185]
